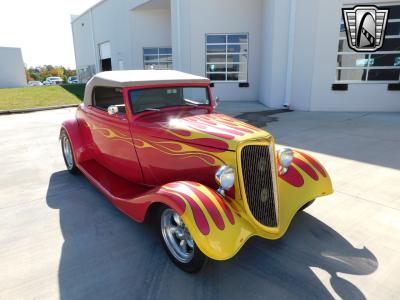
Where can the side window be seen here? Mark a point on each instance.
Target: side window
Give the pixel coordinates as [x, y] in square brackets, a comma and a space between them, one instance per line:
[103, 97]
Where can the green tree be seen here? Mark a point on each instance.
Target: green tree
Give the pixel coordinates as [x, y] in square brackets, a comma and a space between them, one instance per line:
[42, 72]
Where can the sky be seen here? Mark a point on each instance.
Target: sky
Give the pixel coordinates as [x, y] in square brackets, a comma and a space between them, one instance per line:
[41, 28]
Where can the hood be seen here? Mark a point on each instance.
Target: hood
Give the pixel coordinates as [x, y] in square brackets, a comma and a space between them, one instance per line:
[199, 128]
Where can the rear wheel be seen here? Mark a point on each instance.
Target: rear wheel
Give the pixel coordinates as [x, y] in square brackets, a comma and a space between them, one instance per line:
[307, 205]
[179, 243]
[68, 153]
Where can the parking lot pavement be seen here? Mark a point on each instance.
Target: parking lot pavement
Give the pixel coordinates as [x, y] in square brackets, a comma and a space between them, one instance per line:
[60, 238]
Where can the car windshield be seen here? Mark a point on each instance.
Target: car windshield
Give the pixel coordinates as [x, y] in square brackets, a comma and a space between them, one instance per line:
[54, 78]
[157, 98]
[72, 78]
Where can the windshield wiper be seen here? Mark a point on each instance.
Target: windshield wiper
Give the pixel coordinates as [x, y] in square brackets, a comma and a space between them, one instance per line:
[150, 109]
[191, 102]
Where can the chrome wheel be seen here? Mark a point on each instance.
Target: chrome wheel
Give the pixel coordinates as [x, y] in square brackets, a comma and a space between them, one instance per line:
[69, 159]
[176, 236]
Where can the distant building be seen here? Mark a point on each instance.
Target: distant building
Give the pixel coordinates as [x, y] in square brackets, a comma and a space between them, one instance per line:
[12, 69]
[279, 52]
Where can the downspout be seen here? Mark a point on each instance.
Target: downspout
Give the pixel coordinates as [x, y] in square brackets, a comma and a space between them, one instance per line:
[96, 61]
[179, 36]
[290, 54]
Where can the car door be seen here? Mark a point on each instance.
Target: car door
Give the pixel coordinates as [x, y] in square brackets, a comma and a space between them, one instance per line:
[113, 144]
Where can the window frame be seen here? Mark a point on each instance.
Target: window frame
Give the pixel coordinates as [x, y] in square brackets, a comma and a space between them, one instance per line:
[209, 106]
[158, 57]
[226, 53]
[93, 104]
[368, 55]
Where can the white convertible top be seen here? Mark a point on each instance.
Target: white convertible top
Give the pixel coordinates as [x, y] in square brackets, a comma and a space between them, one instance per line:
[132, 78]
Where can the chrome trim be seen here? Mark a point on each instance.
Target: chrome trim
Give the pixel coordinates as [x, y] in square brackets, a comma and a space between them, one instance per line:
[221, 191]
[221, 171]
[67, 152]
[261, 211]
[176, 236]
[112, 110]
[274, 179]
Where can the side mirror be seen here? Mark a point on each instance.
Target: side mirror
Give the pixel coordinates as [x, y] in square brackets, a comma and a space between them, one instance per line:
[112, 110]
[217, 102]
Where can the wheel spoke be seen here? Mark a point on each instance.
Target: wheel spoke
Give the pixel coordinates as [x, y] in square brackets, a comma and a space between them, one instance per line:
[173, 229]
[190, 243]
[177, 219]
[177, 238]
[179, 234]
[183, 245]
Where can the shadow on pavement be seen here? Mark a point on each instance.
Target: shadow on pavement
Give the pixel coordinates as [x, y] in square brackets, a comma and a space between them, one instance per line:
[261, 118]
[105, 255]
[363, 137]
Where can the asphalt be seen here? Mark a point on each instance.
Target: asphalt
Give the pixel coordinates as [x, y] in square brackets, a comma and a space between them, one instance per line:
[61, 239]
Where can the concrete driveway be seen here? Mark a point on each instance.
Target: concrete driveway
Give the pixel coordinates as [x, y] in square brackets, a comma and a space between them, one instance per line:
[60, 238]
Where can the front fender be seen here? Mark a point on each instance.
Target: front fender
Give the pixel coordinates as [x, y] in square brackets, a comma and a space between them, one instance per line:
[217, 227]
[305, 180]
[72, 129]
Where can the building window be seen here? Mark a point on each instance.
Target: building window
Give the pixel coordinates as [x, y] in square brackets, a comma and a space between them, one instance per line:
[382, 66]
[157, 58]
[227, 57]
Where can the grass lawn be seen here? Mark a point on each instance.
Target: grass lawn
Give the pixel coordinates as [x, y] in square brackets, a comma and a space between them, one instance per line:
[41, 96]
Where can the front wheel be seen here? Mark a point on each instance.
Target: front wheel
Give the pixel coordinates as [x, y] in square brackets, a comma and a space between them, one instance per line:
[68, 153]
[179, 243]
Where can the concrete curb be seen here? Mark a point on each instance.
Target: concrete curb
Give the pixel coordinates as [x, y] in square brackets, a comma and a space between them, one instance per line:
[28, 110]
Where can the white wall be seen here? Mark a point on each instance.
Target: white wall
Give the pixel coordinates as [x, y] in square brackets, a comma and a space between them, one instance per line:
[109, 21]
[127, 25]
[274, 52]
[132, 25]
[82, 34]
[149, 28]
[193, 19]
[12, 69]
[314, 61]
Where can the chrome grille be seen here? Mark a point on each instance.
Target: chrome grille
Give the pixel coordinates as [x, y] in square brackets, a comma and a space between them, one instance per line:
[259, 184]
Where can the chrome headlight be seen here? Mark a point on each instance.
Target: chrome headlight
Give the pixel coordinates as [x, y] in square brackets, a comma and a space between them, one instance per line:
[285, 157]
[225, 177]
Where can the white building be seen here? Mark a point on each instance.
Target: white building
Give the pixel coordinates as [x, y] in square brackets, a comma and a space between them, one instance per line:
[12, 69]
[278, 52]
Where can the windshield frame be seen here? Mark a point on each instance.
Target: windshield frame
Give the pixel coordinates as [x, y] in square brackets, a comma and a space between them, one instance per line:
[208, 106]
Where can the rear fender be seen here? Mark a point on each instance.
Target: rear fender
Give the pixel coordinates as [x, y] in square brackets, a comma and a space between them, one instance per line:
[217, 226]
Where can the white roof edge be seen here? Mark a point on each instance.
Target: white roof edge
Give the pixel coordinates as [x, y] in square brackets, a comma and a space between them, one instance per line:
[11, 47]
[87, 10]
[132, 78]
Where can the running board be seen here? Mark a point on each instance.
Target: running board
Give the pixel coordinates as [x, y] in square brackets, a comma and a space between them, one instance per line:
[111, 185]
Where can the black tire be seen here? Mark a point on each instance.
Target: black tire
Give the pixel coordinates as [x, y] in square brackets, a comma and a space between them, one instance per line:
[196, 263]
[306, 205]
[70, 164]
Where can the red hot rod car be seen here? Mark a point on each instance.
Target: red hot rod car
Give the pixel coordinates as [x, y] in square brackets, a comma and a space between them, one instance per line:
[150, 141]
